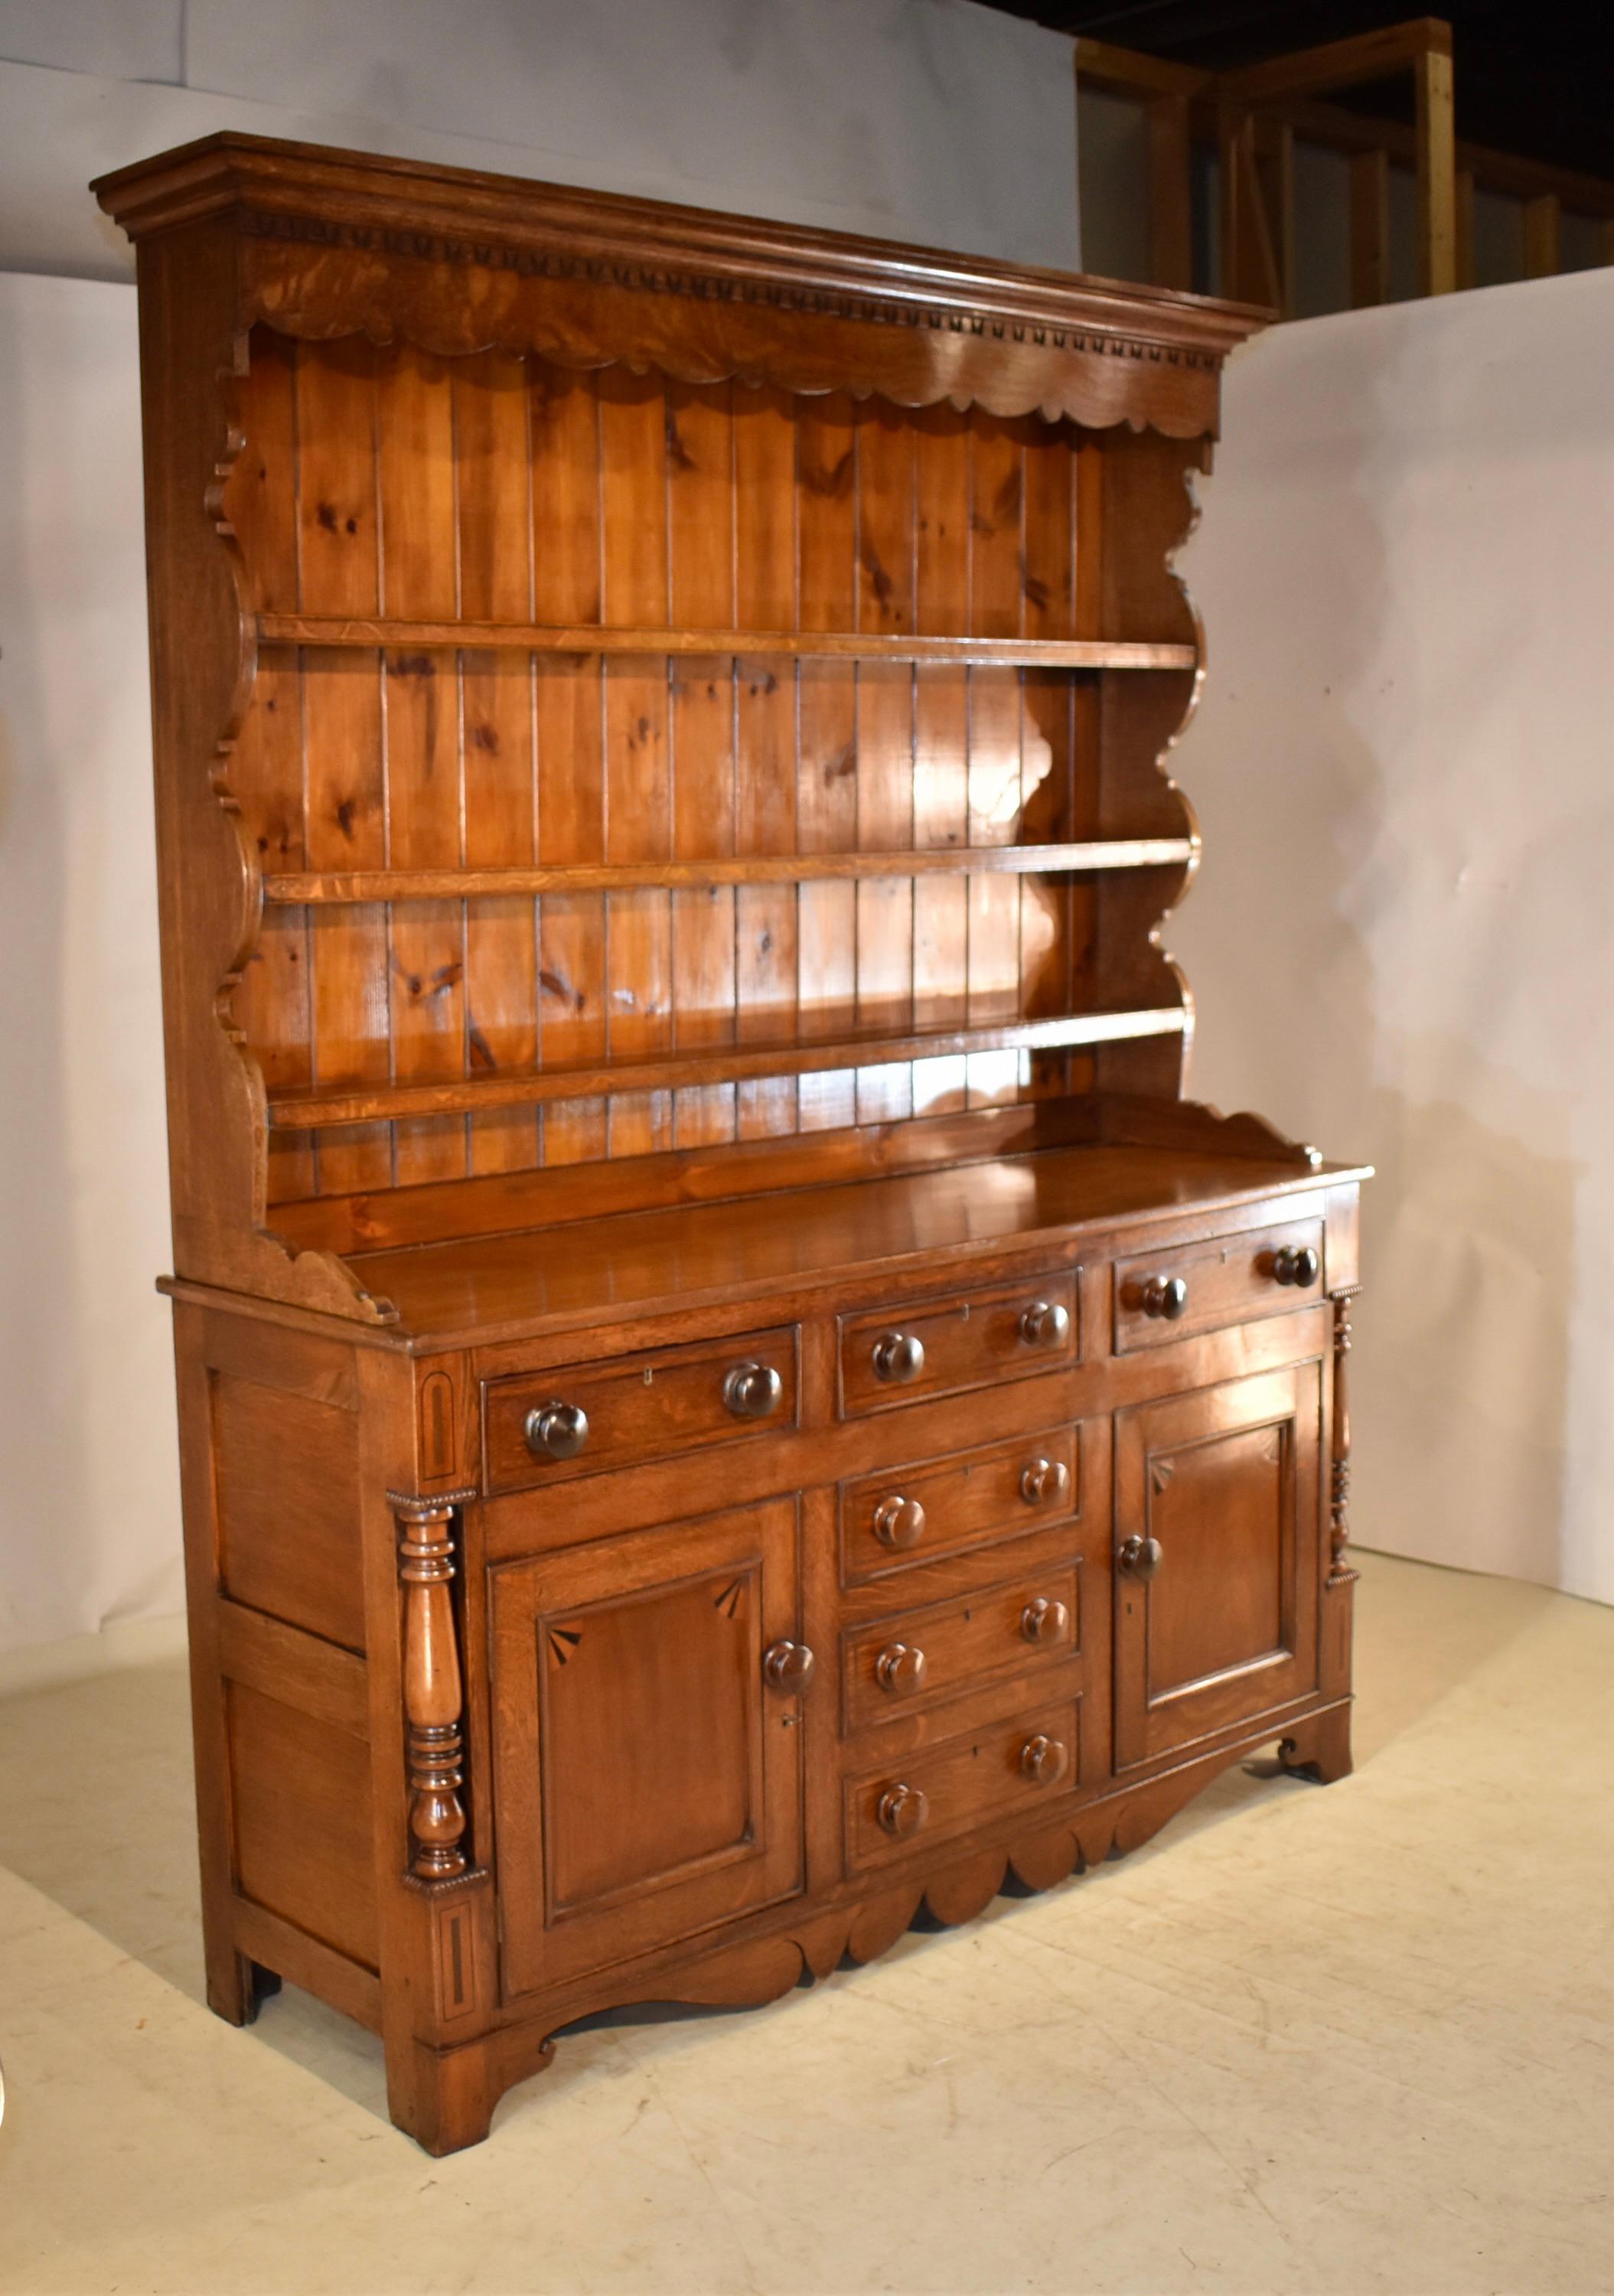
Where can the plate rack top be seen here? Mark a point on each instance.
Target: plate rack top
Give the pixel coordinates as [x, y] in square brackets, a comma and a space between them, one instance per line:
[647, 704]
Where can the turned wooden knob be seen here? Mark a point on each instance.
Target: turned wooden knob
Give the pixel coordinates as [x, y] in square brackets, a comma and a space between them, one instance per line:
[752, 1390]
[1295, 1264]
[557, 1430]
[1045, 1761]
[1043, 1481]
[900, 1522]
[1166, 1296]
[1140, 1558]
[902, 1810]
[1045, 1621]
[1045, 1323]
[787, 1666]
[900, 1669]
[900, 1357]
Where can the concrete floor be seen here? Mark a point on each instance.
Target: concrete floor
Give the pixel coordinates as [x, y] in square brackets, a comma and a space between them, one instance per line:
[1353, 2039]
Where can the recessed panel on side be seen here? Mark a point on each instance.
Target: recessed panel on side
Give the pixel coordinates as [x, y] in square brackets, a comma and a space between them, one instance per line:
[300, 1820]
[286, 1478]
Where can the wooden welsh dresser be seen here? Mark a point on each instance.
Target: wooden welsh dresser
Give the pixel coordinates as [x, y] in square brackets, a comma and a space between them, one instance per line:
[727, 1400]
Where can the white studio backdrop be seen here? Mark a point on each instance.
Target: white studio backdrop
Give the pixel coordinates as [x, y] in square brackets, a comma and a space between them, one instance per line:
[89, 1496]
[1402, 935]
[935, 121]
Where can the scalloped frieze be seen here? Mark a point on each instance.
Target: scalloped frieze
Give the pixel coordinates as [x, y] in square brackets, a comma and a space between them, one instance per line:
[321, 278]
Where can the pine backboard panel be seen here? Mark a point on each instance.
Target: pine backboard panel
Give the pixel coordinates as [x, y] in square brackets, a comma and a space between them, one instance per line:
[495, 488]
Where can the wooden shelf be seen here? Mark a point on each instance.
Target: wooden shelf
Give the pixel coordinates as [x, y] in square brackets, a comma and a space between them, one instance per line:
[317, 1108]
[856, 645]
[745, 869]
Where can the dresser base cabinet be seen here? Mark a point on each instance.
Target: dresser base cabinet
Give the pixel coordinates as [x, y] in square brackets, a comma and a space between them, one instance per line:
[728, 1400]
[479, 1761]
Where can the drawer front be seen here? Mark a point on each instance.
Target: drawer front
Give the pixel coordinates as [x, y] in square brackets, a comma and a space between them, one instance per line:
[945, 1790]
[902, 1516]
[638, 1407]
[914, 1350]
[920, 1659]
[1162, 1296]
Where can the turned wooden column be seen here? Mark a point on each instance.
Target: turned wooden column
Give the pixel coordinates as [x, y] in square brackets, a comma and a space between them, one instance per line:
[433, 1688]
[1339, 1572]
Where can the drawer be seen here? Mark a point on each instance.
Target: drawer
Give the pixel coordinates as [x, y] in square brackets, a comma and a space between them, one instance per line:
[580, 1419]
[1162, 1296]
[915, 1349]
[906, 1515]
[946, 1790]
[920, 1659]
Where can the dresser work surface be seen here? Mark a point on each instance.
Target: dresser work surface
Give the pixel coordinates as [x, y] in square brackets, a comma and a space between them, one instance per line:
[483, 1287]
[728, 1402]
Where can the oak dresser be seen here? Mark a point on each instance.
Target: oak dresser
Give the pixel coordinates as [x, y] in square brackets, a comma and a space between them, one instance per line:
[727, 1401]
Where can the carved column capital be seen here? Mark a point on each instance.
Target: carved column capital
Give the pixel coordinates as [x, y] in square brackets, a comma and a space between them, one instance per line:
[409, 1506]
[432, 1682]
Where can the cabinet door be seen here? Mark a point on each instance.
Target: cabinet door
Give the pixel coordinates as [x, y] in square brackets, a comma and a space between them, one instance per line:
[1217, 1621]
[648, 1777]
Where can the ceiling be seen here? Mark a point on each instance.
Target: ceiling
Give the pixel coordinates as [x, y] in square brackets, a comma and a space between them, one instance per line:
[1537, 81]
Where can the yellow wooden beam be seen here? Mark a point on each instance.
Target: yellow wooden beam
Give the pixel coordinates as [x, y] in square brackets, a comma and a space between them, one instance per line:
[1249, 266]
[1123, 71]
[1254, 116]
[1437, 166]
[1339, 64]
[1170, 194]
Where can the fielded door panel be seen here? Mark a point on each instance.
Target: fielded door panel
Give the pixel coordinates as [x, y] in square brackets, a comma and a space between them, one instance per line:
[1217, 1550]
[648, 1772]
